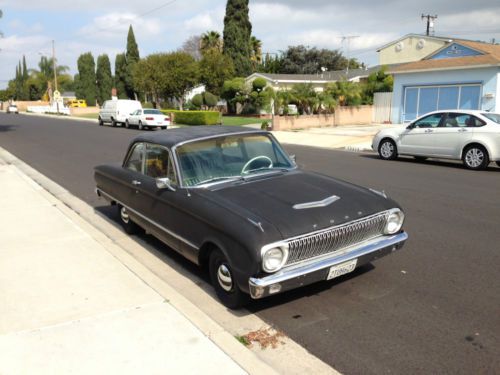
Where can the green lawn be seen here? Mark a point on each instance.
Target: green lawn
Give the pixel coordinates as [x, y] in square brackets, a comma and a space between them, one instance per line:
[238, 121]
[89, 115]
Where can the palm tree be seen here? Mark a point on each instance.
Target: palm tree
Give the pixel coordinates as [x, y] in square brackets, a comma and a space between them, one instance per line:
[256, 47]
[211, 40]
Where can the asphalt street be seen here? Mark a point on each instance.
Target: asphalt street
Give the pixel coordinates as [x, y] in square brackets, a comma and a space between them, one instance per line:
[433, 307]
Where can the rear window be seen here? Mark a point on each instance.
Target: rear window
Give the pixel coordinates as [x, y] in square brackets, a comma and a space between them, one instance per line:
[495, 117]
[152, 112]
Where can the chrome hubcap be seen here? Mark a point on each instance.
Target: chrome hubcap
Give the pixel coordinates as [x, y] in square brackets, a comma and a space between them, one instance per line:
[474, 157]
[224, 278]
[124, 215]
[387, 149]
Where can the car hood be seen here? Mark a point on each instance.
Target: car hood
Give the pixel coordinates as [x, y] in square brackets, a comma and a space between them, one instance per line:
[271, 201]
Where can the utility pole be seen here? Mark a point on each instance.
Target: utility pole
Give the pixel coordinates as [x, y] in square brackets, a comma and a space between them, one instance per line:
[54, 65]
[430, 23]
[348, 38]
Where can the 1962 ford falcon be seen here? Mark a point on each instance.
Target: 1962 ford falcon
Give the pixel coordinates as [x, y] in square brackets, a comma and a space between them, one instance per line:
[231, 199]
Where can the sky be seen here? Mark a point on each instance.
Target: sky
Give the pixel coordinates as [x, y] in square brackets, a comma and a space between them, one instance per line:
[29, 26]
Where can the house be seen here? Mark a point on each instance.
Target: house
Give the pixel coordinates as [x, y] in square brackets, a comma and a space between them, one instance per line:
[461, 74]
[286, 81]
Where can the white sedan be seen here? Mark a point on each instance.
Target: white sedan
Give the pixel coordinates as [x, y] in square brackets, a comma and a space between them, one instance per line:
[12, 108]
[150, 118]
[467, 135]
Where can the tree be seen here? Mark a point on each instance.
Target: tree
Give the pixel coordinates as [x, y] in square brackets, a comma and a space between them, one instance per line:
[166, 75]
[210, 40]
[237, 31]
[104, 80]
[305, 60]
[87, 79]
[377, 82]
[345, 92]
[215, 68]
[121, 76]
[132, 57]
[234, 91]
[192, 47]
[256, 47]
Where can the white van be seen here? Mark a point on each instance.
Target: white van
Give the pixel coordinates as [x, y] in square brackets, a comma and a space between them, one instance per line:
[117, 111]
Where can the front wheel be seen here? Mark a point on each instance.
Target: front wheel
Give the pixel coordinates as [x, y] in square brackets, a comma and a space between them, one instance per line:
[498, 163]
[101, 123]
[127, 125]
[223, 281]
[475, 157]
[113, 122]
[388, 149]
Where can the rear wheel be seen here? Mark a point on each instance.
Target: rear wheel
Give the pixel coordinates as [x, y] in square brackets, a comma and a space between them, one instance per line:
[498, 163]
[127, 125]
[388, 149]
[223, 281]
[163, 127]
[128, 225]
[113, 122]
[475, 157]
[101, 123]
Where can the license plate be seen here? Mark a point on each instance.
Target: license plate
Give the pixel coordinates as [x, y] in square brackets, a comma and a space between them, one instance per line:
[341, 269]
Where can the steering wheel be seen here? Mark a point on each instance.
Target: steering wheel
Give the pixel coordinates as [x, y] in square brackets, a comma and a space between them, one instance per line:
[248, 163]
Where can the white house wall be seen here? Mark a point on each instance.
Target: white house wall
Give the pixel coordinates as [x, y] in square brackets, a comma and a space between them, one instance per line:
[488, 78]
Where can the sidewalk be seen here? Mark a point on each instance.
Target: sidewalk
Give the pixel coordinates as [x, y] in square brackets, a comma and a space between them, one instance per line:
[349, 137]
[69, 305]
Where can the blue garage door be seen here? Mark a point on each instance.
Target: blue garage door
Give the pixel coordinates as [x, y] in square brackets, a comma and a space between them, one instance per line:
[419, 100]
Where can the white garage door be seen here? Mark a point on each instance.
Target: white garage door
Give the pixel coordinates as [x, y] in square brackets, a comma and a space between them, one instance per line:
[419, 100]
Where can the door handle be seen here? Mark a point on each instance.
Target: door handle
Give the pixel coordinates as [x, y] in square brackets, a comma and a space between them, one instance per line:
[429, 131]
[135, 182]
[462, 130]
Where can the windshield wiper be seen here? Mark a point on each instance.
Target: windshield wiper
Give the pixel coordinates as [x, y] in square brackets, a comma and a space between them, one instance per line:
[217, 179]
[264, 171]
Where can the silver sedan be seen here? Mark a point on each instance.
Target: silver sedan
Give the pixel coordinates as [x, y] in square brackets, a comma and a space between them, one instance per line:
[467, 135]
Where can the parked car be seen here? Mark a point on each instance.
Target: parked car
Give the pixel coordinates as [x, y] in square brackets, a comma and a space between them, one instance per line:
[230, 199]
[117, 111]
[76, 103]
[12, 108]
[148, 118]
[469, 135]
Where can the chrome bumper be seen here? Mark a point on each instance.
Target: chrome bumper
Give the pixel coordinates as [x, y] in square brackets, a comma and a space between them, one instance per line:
[306, 273]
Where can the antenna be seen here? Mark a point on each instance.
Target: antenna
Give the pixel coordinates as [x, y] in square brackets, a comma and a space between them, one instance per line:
[348, 38]
[430, 23]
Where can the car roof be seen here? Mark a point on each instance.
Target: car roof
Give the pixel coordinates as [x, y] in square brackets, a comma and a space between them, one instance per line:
[173, 137]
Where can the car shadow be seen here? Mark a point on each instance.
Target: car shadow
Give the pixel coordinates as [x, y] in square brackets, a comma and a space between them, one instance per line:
[201, 277]
[7, 128]
[434, 162]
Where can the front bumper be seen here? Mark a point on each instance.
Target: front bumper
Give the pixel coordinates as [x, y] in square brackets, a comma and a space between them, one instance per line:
[316, 270]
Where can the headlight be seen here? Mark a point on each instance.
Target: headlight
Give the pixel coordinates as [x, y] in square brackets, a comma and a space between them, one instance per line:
[394, 221]
[274, 257]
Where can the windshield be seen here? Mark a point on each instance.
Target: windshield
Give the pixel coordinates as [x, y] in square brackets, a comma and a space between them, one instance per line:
[230, 157]
[492, 116]
[152, 112]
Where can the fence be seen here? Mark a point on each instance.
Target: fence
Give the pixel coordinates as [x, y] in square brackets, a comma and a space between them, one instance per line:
[382, 102]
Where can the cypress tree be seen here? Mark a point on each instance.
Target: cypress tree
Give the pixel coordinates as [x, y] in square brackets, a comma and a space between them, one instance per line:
[86, 83]
[121, 75]
[132, 56]
[103, 78]
[237, 32]
[25, 69]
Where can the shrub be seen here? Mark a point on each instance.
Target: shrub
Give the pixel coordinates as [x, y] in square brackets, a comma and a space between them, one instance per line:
[197, 100]
[147, 105]
[210, 99]
[259, 84]
[194, 117]
[265, 125]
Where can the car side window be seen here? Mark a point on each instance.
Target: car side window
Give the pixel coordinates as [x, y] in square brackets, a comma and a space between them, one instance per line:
[135, 159]
[431, 121]
[158, 163]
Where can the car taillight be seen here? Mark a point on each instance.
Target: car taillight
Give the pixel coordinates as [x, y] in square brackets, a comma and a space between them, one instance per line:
[149, 118]
[167, 118]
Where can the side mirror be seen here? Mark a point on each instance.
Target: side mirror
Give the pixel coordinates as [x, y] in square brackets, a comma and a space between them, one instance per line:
[164, 183]
[294, 158]
[411, 126]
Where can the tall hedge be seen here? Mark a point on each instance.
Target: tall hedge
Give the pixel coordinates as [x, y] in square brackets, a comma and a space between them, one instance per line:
[194, 117]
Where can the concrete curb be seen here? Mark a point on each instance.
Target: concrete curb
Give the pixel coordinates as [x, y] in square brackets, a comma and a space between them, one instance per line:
[132, 255]
[82, 214]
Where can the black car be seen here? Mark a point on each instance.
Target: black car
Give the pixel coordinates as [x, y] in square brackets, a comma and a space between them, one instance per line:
[232, 200]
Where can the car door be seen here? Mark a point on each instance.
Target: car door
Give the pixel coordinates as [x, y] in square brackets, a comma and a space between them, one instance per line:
[452, 133]
[154, 203]
[131, 177]
[417, 138]
[134, 118]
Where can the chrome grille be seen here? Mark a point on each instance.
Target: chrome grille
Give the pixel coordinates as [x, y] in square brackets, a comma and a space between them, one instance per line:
[335, 238]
